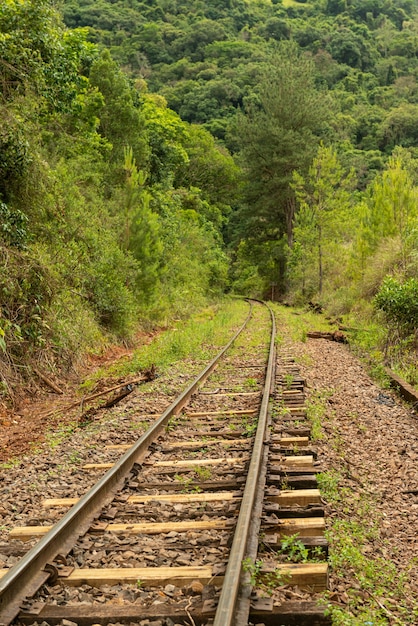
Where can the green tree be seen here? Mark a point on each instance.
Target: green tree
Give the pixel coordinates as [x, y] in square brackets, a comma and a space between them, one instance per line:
[120, 115]
[322, 221]
[140, 227]
[400, 127]
[392, 209]
[167, 134]
[212, 170]
[278, 136]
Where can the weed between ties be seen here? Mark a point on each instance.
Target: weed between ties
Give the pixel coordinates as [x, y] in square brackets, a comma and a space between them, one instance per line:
[267, 582]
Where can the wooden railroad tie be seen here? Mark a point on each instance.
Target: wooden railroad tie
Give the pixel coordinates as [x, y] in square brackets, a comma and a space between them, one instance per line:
[171, 497]
[176, 464]
[187, 444]
[291, 461]
[301, 497]
[25, 533]
[293, 441]
[307, 527]
[303, 526]
[226, 412]
[296, 497]
[311, 575]
[262, 611]
[229, 394]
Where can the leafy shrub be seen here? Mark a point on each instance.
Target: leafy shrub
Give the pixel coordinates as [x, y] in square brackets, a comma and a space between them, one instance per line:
[110, 294]
[13, 226]
[399, 303]
[25, 294]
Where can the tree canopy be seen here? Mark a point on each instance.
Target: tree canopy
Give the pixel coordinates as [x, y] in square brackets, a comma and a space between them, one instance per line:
[146, 146]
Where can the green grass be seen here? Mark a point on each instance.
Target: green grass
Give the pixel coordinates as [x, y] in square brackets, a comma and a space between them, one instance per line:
[377, 592]
[55, 436]
[316, 407]
[199, 338]
[299, 322]
[377, 595]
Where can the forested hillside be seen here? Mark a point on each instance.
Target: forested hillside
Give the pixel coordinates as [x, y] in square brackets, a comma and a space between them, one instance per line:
[318, 102]
[156, 153]
[111, 205]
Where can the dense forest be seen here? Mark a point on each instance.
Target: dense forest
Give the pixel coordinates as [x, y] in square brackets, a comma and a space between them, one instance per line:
[156, 154]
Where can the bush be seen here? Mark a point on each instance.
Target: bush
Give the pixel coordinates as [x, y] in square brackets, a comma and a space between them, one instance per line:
[399, 303]
[26, 288]
[13, 226]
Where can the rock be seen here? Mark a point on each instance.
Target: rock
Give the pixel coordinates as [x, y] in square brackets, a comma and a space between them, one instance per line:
[196, 587]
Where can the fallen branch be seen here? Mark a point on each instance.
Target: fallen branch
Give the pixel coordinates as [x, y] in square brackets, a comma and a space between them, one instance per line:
[337, 335]
[103, 393]
[87, 417]
[47, 381]
[382, 606]
[145, 378]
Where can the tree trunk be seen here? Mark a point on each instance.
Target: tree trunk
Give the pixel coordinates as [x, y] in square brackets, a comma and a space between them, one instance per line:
[320, 258]
[290, 214]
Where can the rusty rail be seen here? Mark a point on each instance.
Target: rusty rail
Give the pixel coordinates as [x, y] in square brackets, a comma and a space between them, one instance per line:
[29, 574]
[232, 586]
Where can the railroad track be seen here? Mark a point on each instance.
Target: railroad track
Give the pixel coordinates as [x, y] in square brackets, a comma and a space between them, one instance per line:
[211, 517]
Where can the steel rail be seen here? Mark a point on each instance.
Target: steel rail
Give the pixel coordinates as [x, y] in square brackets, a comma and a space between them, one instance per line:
[226, 609]
[28, 575]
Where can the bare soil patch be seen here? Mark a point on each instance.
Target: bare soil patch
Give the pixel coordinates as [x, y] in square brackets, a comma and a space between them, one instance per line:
[38, 410]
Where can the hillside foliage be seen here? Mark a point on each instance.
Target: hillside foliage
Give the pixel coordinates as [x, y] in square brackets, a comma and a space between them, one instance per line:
[155, 153]
[110, 214]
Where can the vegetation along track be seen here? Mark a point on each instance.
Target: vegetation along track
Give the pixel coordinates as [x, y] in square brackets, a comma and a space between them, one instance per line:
[210, 517]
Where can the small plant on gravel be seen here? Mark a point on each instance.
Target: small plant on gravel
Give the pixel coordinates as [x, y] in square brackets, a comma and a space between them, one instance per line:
[304, 359]
[249, 429]
[54, 438]
[288, 380]
[10, 464]
[203, 473]
[294, 549]
[251, 383]
[284, 485]
[279, 410]
[253, 568]
[380, 582]
[266, 581]
[329, 485]
[140, 425]
[74, 457]
[186, 482]
[171, 424]
[201, 450]
[274, 579]
[316, 407]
